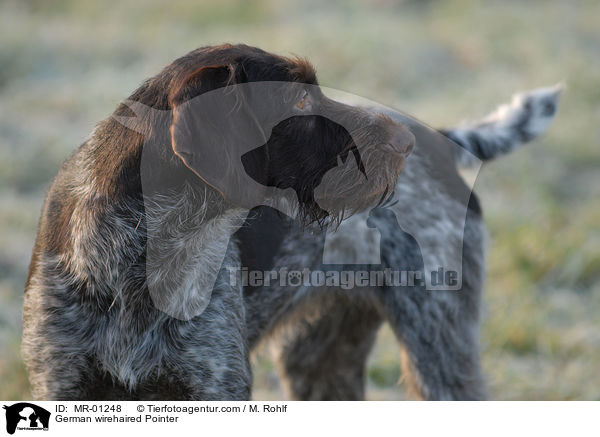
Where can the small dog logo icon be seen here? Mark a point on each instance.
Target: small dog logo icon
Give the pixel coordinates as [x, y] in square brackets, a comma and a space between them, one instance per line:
[26, 416]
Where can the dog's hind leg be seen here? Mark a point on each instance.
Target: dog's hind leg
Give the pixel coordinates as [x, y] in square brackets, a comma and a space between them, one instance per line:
[322, 348]
[438, 330]
[439, 344]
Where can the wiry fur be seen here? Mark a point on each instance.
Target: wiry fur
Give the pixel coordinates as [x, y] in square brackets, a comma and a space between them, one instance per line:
[94, 330]
[120, 301]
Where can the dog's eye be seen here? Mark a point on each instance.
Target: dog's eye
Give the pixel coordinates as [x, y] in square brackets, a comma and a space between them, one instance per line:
[303, 101]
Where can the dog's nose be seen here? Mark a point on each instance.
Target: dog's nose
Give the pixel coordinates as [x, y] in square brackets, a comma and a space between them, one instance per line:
[402, 141]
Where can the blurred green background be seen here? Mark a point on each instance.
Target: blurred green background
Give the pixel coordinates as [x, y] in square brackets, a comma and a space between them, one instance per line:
[65, 64]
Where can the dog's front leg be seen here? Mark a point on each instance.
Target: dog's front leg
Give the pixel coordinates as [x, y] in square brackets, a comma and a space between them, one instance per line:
[209, 354]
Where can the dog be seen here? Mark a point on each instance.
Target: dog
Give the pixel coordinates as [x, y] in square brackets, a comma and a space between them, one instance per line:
[322, 335]
[128, 294]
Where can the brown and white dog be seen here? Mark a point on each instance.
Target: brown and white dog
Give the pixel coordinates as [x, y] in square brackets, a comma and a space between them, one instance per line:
[129, 294]
[135, 227]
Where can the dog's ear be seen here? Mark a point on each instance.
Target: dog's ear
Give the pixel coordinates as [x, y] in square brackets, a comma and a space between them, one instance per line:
[213, 127]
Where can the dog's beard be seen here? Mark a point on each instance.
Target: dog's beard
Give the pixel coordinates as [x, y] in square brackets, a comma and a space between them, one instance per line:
[362, 179]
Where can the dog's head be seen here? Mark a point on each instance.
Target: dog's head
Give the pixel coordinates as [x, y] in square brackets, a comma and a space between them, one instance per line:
[254, 125]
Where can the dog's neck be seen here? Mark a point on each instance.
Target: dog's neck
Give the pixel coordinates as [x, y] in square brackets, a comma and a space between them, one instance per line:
[154, 206]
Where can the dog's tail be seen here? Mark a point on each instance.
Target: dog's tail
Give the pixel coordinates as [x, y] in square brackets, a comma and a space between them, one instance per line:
[526, 117]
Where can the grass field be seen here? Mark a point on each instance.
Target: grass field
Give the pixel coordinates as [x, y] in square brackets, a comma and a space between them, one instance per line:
[65, 64]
